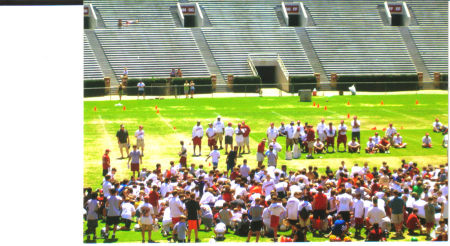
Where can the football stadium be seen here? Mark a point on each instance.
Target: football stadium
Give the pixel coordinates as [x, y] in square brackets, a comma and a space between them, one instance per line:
[265, 121]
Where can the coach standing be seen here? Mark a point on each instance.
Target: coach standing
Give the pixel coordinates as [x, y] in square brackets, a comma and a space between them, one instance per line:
[321, 130]
[219, 128]
[246, 134]
[139, 134]
[229, 132]
[124, 140]
[211, 134]
[272, 132]
[106, 162]
[356, 128]
[136, 159]
[197, 135]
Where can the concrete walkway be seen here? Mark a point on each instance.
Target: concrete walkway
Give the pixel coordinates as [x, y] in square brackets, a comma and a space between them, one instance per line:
[265, 93]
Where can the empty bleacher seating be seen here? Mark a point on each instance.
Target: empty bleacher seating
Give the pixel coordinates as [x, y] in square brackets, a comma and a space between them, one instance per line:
[152, 53]
[91, 68]
[430, 12]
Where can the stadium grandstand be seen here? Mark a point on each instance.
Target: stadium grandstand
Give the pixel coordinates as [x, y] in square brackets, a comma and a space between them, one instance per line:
[275, 40]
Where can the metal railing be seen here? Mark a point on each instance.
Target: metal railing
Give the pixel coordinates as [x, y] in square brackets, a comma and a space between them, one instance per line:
[264, 89]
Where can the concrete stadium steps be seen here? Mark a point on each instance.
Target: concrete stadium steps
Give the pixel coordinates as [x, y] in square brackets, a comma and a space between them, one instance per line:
[432, 43]
[231, 48]
[91, 68]
[430, 12]
[151, 14]
[238, 13]
[152, 53]
[344, 12]
[369, 50]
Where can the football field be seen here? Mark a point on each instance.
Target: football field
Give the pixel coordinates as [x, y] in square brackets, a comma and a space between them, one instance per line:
[168, 121]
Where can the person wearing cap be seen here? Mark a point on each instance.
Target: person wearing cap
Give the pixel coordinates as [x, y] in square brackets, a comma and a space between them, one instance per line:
[272, 132]
[426, 141]
[139, 134]
[321, 130]
[219, 128]
[376, 139]
[356, 128]
[106, 162]
[246, 134]
[342, 136]
[197, 135]
[211, 134]
[281, 130]
[240, 138]
[398, 141]
[260, 152]
[318, 146]
[229, 133]
[371, 146]
[135, 158]
[290, 130]
[437, 126]
[179, 230]
[123, 140]
[390, 133]
[330, 131]
[310, 136]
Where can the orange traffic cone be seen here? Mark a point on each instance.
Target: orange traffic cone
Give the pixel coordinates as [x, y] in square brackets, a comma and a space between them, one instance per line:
[348, 102]
[325, 108]
[382, 103]
[156, 106]
[95, 109]
[318, 106]
[374, 128]
[174, 128]
[348, 116]
[124, 108]
[417, 102]
[314, 104]
[157, 111]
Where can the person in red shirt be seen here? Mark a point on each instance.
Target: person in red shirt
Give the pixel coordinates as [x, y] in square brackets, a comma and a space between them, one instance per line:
[106, 162]
[413, 222]
[246, 134]
[260, 153]
[310, 136]
[234, 174]
[384, 145]
[227, 195]
[319, 206]
[153, 199]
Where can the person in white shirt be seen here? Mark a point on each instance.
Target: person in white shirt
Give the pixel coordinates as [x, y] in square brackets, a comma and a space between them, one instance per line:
[358, 213]
[92, 206]
[208, 198]
[342, 136]
[229, 133]
[426, 141]
[398, 141]
[211, 134]
[128, 212]
[330, 131]
[292, 209]
[390, 133]
[371, 146]
[147, 218]
[113, 212]
[197, 135]
[107, 186]
[272, 132]
[141, 89]
[240, 138]
[244, 170]
[139, 134]
[268, 186]
[437, 126]
[290, 136]
[376, 139]
[375, 214]
[215, 154]
[445, 141]
[356, 128]
[321, 130]
[275, 210]
[219, 128]
[318, 146]
[353, 146]
[176, 207]
[281, 130]
[344, 204]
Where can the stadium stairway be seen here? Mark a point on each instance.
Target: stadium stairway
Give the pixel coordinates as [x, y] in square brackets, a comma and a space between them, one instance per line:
[101, 57]
[221, 85]
[91, 68]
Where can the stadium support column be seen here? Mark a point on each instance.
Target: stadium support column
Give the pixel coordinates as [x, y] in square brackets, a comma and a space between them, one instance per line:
[420, 80]
[437, 80]
[107, 85]
[317, 76]
[230, 79]
[333, 82]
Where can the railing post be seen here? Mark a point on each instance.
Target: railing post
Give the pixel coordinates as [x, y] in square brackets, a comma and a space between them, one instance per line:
[420, 79]
[230, 79]
[437, 80]
[107, 85]
[317, 75]
[334, 78]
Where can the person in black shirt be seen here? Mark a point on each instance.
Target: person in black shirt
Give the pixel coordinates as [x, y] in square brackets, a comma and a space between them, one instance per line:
[231, 159]
[193, 210]
[123, 140]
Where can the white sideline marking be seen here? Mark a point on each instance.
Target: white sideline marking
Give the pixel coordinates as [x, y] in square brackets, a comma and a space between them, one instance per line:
[106, 132]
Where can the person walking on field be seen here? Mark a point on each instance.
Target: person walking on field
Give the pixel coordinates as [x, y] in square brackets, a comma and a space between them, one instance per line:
[123, 140]
[106, 162]
[211, 134]
[139, 134]
[192, 85]
[197, 135]
[183, 154]
[186, 88]
[136, 159]
[260, 152]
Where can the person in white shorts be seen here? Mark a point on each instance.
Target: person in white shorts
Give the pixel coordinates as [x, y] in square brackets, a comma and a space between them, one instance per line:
[239, 139]
[321, 130]
[139, 134]
[219, 128]
[398, 141]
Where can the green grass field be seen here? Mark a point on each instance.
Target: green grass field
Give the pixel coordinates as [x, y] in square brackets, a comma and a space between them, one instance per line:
[176, 118]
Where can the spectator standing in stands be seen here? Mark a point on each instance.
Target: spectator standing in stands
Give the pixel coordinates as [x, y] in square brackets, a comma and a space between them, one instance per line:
[123, 140]
[246, 134]
[186, 88]
[356, 128]
[179, 73]
[192, 87]
[139, 134]
[229, 132]
[426, 141]
[197, 135]
[106, 162]
[141, 90]
[135, 158]
[125, 72]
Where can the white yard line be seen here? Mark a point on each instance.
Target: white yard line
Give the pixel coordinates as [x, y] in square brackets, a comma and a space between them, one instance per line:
[105, 131]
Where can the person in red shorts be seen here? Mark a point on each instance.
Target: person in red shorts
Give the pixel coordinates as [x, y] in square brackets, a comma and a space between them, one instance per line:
[330, 131]
[136, 159]
[182, 154]
[176, 207]
[106, 162]
[310, 136]
[319, 206]
[197, 135]
[413, 222]
[193, 209]
[342, 136]
[211, 134]
[275, 210]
